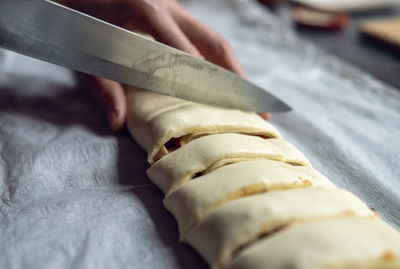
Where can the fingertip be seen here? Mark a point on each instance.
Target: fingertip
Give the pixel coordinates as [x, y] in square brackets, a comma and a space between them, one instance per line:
[265, 116]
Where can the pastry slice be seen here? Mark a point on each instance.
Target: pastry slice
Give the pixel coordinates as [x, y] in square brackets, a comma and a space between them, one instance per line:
[242, 221]
[207, 153]
[197, 198]
[347, 243]
[161, 124]
[292, 155]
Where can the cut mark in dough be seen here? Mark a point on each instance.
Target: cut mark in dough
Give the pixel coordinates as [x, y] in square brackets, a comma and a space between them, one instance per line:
[243, 221]
[353, 242]
[210, 152]
[197, 198]
[239, 249]
[264, 233]
[248, 190]
[177, 142]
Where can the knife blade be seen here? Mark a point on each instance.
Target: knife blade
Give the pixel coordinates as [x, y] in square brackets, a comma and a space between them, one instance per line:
[54, 33]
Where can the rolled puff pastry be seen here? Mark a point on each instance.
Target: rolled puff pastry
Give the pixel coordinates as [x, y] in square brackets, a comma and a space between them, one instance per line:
[154, 119]
[242, 221]
[207, 153]
[346, 243]
[197, 198]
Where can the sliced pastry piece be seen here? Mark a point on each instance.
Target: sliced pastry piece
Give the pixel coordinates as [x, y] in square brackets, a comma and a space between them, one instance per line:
[292, 154]
[207, 153]
[346, 243]
[197, 198]
[160, 123]
[242, 221]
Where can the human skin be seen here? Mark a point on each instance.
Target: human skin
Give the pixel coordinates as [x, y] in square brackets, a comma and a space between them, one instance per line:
[168, 22]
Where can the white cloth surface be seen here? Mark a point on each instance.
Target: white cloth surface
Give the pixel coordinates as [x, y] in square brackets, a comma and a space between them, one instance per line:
[75, 195]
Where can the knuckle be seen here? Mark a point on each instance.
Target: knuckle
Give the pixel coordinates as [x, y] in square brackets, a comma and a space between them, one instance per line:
[190, 49]
[151, 8]
[223, 47]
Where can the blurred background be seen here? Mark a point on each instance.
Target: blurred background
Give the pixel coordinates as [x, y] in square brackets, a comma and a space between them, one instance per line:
[365, 33]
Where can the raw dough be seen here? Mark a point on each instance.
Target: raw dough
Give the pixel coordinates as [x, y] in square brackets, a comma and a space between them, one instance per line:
[242, 221]
[154, 119]
[210, 152]
[346, 243]
[197, 198]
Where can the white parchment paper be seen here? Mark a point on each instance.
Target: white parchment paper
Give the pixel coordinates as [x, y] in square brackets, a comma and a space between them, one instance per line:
[75, 195]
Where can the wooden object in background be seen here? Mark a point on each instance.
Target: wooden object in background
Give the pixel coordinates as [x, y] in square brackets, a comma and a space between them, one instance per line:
[386, 31]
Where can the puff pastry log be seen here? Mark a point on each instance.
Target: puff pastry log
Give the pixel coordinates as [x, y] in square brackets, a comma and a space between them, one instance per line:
[210, 152]
[197, 198]
[246, 198]
[346, 243]
[242, 221]
[162, 123]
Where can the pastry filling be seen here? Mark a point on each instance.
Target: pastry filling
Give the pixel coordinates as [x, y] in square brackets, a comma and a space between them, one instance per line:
[177, 142]
[173, 144]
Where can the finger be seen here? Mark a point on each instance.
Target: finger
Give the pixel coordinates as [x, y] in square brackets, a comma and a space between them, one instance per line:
[111, 97]
[211, 45]
[166, 30]
[265, 116]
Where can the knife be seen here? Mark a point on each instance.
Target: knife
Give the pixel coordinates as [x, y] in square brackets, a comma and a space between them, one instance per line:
[51, 32]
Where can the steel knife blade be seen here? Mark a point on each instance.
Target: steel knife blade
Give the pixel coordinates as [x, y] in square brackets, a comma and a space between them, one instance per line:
[57, 34]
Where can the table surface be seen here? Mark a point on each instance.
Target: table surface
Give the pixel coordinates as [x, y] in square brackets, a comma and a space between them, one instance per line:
[382, 62]
[75, 195]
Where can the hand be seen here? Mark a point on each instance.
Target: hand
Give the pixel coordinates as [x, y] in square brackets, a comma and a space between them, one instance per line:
[167, 22]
